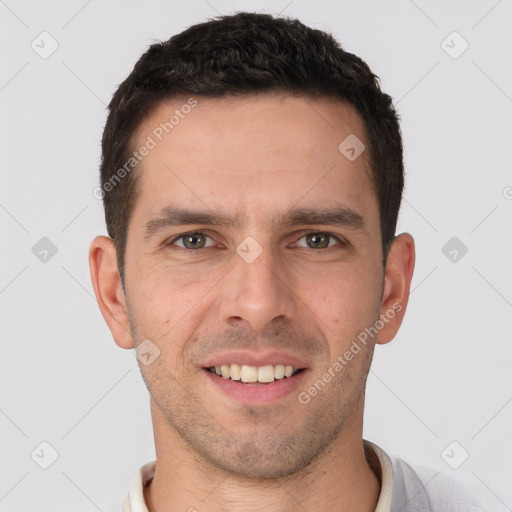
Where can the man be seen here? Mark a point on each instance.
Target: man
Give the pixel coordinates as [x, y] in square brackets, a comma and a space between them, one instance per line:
[252, 177]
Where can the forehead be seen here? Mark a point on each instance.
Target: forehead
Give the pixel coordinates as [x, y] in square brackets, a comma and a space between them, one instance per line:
[263, 150]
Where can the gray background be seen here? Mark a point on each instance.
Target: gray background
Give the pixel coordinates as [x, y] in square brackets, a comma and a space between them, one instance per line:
[63, 381]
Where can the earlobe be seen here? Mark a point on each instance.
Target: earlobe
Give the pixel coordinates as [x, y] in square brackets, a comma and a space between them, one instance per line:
[106, 282]
[397, 284]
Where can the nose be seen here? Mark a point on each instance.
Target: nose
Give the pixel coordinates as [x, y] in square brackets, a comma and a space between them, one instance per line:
[259, 293]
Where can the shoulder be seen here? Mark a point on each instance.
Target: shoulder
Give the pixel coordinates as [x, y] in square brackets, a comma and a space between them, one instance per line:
[422, 489]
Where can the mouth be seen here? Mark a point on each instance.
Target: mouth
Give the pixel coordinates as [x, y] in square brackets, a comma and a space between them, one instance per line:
[251, 385]
[247, 374]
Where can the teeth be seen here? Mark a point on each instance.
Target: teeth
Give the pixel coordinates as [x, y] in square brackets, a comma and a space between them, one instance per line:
[266, 373]
[252, 374]
[279, 371]
[225, 370]
[249, 373]
[235, 372]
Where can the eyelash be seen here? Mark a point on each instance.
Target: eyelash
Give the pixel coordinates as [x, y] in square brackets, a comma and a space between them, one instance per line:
[341, 242]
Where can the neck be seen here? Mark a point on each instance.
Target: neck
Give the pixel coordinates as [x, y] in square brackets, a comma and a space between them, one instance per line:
[340, 479]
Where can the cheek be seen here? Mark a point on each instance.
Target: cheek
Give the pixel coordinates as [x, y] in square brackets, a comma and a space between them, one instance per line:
[167, 308]
[344, 304]
[345, 295]
[167, 292]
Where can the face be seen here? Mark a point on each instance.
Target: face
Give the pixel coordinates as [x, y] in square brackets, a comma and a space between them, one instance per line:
[276, 263]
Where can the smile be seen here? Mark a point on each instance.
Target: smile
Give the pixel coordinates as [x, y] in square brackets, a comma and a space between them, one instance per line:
[254, 374]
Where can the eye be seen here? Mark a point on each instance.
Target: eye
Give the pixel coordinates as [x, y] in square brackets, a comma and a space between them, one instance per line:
[320, 240]
[196, 240]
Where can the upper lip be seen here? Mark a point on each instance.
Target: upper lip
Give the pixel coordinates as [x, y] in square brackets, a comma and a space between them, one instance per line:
[255, 359]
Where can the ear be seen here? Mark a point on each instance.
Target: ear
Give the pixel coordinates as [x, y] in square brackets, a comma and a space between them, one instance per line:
[397, 284]
[106, 282]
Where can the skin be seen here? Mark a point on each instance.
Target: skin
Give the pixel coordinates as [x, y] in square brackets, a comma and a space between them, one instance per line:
[255, 158]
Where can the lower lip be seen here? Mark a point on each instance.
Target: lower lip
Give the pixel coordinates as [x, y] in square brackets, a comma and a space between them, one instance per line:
[256, 393]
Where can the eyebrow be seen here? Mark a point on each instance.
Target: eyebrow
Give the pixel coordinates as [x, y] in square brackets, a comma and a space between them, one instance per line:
[340, 216]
